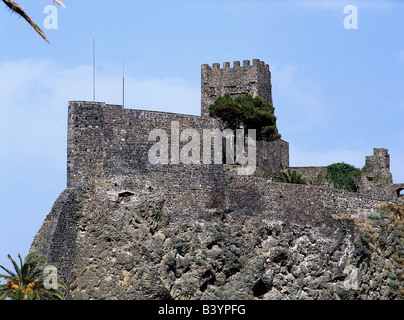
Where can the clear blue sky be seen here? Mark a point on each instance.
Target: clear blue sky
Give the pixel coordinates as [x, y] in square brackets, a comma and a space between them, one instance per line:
[337, 93]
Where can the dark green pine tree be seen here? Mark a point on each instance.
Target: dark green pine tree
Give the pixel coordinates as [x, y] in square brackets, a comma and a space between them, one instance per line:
[246, 112]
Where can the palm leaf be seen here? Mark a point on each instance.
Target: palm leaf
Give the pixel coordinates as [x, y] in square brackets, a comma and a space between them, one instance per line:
[6, 277]
[17, 269]
[60, 3]
[6, 294]
[31, 271]
[31, 263]
[15, 7]
[17, 295]
[3, 287]
[290, 177]
[12, 274]
[37, 259]
[29, 257]
[62, 284]
[51, 294]
[19, 257]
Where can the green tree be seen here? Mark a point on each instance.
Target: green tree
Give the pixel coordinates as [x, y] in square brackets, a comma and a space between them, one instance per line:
[247, 112]
[26, 283]
[290, 177]
[16, 8]
[343, 176]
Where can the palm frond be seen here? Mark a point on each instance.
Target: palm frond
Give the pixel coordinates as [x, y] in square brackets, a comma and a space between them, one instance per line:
[60, 3]
[29, 257]
[290, 177]
[17, 269]
[36, 259]
[27, 284]
[19, 257]
[17, 295]
[62, 284]
[51, 294]
[31, 263]
[6, 294]
[11, 274]
[15, 7]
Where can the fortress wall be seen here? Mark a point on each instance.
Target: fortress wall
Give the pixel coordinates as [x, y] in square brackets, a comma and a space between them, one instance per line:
[106, 141]
[317, 206]
[312, 174]
[273, 154]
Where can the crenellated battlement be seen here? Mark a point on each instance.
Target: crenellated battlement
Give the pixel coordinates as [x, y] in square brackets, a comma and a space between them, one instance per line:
[217, 80]
[256, 63]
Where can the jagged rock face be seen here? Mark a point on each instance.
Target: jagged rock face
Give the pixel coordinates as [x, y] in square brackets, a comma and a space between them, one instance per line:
[126, 248]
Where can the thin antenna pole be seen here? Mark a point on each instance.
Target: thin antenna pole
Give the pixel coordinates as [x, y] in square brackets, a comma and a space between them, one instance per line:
[123, 83]
[93, 69]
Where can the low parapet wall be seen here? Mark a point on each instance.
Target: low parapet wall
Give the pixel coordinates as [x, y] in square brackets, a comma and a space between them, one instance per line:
[316, 206]
[313, 175]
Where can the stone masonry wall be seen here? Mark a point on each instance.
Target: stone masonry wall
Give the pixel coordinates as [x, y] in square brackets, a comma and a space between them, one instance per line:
[109, 143]
[273, 155]
[317, 206]
[313, 175]
[376, 178]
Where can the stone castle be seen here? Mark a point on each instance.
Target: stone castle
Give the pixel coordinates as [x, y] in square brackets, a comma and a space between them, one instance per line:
[109, 142]
[107, 161]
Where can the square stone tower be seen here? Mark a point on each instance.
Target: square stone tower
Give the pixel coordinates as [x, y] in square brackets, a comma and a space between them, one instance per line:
[377, 178]
[378, 165]
[254, 79]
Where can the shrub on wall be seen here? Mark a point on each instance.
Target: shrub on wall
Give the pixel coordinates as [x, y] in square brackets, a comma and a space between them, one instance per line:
[266, 172]
[343, 176]
[246, 112]
[290, 177]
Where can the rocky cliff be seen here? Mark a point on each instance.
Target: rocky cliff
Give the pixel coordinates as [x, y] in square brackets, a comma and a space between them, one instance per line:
[123, 246]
